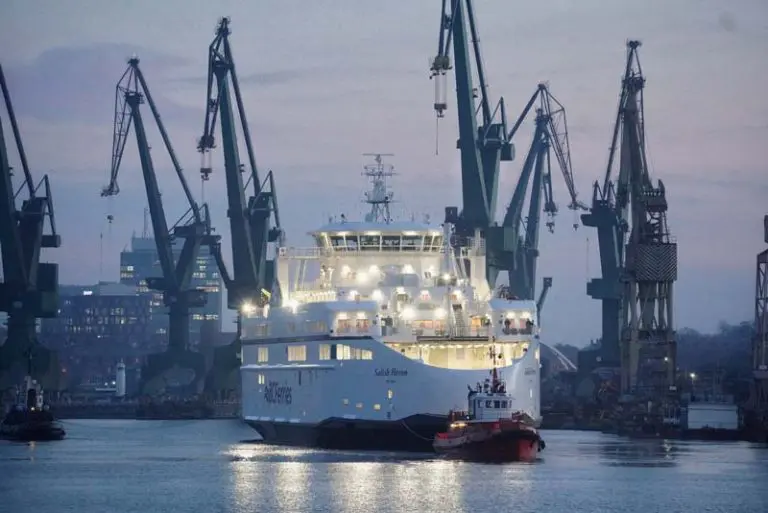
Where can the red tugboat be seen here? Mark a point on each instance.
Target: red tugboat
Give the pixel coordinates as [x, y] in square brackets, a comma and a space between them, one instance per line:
[491, 430]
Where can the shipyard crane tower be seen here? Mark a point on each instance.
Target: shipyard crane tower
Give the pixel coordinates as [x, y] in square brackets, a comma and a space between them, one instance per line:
[759, 399]
[178, 296]
[483, 140]
[252, 279]
[638, 256]
[253, 283]
[30, 288]
[550, 135]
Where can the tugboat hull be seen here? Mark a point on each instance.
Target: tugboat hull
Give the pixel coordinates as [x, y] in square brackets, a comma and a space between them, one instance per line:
[506, 446]
[32, 433]
[31, 426]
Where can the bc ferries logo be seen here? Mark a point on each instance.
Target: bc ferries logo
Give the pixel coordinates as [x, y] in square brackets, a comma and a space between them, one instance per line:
[274, 393]
[391, 372]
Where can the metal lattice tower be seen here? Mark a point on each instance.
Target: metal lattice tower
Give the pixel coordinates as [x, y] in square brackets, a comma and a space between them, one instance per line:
[760, 341]
[380, 196]
[647, 337]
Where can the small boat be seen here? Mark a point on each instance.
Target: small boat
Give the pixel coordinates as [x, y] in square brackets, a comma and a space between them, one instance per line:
[30, 419]
[492, 430]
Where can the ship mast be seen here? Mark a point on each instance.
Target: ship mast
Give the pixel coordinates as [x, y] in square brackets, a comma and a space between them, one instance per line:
[380, 195]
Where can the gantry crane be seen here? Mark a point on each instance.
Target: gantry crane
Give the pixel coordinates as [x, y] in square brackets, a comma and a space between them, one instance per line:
[253, 277]
[637, 255]
[550, 135]
[30, 288]
[193, 227]
[759, 399]
[483, 142]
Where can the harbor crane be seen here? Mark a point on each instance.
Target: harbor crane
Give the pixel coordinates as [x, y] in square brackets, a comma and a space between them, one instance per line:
[638, 257]
[550, 136]
[253, 283]
[253, 276]
[759, 396]
[484, 142]
[193, 227]
[30, 288]
[483, 139]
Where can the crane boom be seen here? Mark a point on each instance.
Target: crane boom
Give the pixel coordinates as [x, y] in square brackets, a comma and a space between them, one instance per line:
[483, 143]
[249, 220]
[132, 91]
[550, 135]
[638, 257]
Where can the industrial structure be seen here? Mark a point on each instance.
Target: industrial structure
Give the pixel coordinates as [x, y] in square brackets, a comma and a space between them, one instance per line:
[178, 296]
[638, 257]
[29, 290]
[759, 399]
[550, 135]
[484, 141]
[252, 282]
[140, 262]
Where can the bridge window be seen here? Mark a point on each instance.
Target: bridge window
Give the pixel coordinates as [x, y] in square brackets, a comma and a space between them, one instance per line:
[297, 353]
[370, 242]
[390, 242]
[411, 242]
[263, 356]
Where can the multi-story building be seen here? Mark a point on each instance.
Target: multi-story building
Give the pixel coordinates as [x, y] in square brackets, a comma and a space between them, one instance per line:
[97, 327]
[141, 262]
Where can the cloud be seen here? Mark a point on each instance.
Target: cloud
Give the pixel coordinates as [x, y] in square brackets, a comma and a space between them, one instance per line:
[77, 83]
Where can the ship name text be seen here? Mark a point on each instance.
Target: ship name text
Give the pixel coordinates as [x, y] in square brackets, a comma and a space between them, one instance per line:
[392, 371]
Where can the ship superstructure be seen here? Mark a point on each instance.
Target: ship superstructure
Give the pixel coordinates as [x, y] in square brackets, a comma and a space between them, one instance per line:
[380, 326]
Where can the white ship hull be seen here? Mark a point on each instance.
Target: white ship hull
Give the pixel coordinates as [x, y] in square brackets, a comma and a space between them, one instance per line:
[390, 402]
[372, 337]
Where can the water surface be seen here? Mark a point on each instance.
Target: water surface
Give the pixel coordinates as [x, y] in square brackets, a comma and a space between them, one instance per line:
[207, 466]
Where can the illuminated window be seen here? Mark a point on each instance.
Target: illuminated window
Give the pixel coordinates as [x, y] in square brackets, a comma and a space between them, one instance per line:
[297, 353]
[261, 379]
[359, 406]
[367, 354]
[362, 325]
[325, 351]
[263, 355]
[345, 402]
[376, 406]
[343, 326]
[389, 394]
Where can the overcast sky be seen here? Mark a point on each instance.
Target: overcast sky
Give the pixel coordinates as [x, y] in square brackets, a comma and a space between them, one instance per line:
[325, 81]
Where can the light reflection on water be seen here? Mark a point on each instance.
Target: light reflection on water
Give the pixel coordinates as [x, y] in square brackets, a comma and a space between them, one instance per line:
[203, 467]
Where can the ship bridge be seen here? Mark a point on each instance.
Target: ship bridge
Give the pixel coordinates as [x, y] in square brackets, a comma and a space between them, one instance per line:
[366, 237]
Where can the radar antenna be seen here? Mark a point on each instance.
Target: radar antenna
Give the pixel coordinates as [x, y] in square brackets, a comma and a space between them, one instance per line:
[380, 195]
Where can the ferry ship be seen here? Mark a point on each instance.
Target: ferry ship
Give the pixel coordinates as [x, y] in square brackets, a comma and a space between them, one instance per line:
[371, 336]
